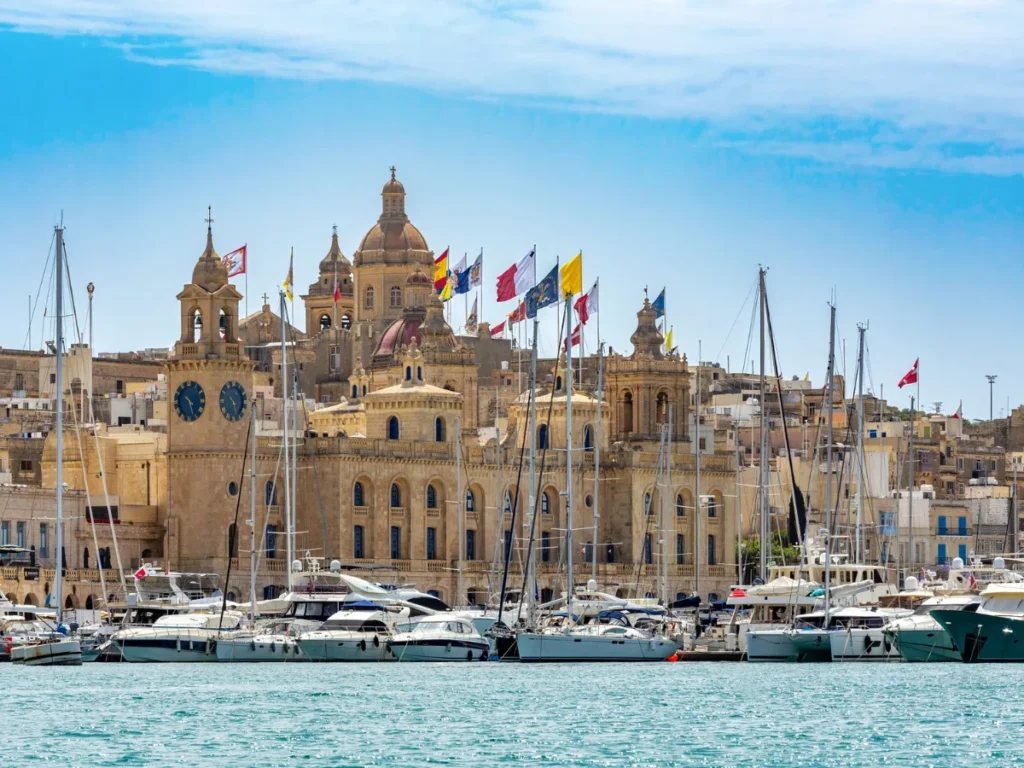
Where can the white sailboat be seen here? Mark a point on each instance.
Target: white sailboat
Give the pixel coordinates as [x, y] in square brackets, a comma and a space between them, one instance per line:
[58, 648]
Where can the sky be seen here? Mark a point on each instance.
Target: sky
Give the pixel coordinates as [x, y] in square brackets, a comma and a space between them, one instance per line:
[870, 151]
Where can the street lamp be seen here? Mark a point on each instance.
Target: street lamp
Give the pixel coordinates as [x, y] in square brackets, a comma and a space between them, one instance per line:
[991, 381]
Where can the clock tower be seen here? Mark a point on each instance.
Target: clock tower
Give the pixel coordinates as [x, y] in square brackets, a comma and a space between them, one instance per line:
[209, 386]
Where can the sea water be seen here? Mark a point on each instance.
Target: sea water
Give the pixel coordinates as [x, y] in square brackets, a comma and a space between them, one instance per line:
[487, 714]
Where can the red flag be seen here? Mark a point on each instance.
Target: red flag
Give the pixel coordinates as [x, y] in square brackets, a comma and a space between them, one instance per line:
[337, 289]
[910, 377]
[498, 329]
[234, 262]
[141, 573]
[507, 284]
[581, 309]
[518, 314]
[441, 271]
[575, 337]
[959, 411]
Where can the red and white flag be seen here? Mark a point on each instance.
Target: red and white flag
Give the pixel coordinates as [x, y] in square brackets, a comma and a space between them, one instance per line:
[519, 278]
[910, 377]
[141, 573]
[575, 336]
[959, 411]
[586, 305]
[337, 289]
[499, 329]
[234, 262]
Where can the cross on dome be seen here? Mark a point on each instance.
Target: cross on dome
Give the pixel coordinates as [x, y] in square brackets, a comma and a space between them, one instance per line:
[209, 218]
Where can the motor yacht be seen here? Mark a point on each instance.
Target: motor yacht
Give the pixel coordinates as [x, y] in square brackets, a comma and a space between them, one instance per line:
[359, 632]
[989, 631]
[177, 637]
[441, 637]
[920, 637]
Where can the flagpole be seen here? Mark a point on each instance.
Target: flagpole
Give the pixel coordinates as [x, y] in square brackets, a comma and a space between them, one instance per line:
[480, 286]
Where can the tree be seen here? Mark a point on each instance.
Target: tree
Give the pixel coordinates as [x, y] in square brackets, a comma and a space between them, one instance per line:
[781, 552]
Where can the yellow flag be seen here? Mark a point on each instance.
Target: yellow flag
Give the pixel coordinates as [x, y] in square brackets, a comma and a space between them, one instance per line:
[290, 280]
[668, 341]
[446, 292]
[572, 276]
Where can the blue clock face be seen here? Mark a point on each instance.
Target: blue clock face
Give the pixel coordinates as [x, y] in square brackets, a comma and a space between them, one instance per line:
[232, 401]
[189, 401]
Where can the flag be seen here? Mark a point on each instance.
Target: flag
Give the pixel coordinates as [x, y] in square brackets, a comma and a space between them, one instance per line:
[543, 294]
[910, 377]
[441, 271]
[668, 341]
[974, 582]
[518, 278]
[337, 288]
[141, 573]
[959, 411]
[586, 305]
[446, 290]
[471, 319]
[575, 336]
[498, 329]
[455, 274]
[234, 262]
[290, 280]
[659, 305]
[476, 270]
[572, 276]
[518, 314]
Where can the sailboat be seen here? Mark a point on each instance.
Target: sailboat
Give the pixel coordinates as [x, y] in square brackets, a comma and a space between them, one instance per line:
[612, 637]
[57, 648]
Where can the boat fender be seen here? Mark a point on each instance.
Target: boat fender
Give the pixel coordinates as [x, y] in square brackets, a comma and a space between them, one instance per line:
[177, 644]
[252, 645]
[209, 647]
[449, 648]
[376, 641]
[362, 645]
[273, 647]
[8, 644]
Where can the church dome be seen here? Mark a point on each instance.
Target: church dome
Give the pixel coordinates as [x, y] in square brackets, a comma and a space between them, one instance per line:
[393, 185]
[425, 326]
[419, 277]
[393, 231]
[210, 273]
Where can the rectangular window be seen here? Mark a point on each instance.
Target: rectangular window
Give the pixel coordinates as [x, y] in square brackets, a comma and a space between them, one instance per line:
[53, 378]
[44, 541]
[712, 556]
[648, 554]
[19, 381]
[941, 556]
[961, 552]
[872, 433]
[119, 387]
[470, 544]
[960, 463]
[545, 547]
[942, 526]
[702, 446]
[21, 534]
[431, 543]
[271, 542]
[357, 543]
[396, 543]
[508, 544]
[26, 465]
[992, 465]
[680, 551]
[5, 532]
[961, 526]
[334, 363]
[611, 553]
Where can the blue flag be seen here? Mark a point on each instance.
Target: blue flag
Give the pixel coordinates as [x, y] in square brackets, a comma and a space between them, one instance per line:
[544, 294]
[463, 282]
[659, 305]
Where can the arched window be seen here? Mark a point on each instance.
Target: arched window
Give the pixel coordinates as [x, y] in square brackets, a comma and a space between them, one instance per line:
[588, 440]
[408, 373]
[545, 503]
[396, 296]
[325, 322]
[223, 325]
[393, 428]
[197, 325]
[546, 595]
[439, 430]
[558, 383]
[627, 412]
[712, 507]
[89, 603]
[147, 554]
[648, 505]
[346, 322]
[85, 558]
[419, 373]
[271, 493]
[508, 502]
[368, 301]
[396, 495]
[661, 408]
[431, 497]
[232, 541]
[358, 542]
[680, 506]
[470, 500]
[357, 495]
[355, 392]
[542, 436]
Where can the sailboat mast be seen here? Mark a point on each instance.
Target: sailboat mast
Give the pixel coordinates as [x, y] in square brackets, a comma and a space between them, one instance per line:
[568, 456]
[252, 510]
[530, 561]
[289, 554]
[739, 512]
[828, 459]
[58, 582]
[860, 443]
[597, 451]
[911, 559]
[667, 490]
[461, 519]
[697, 504]
[763, 462]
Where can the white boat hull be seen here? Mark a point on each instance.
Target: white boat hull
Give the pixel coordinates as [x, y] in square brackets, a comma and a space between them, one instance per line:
[439, 650]
[345, 646]
[167, 649]
[66, 652]
[789, 645]
[536, 647]
[863, 645]
[260, 648]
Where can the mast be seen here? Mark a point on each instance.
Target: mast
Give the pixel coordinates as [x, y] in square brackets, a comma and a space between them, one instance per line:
[910, 505]
[459, 509]
[763, 463]
[597, 449]
[668, 488]
[252, 511]
[531, 563]
[658, 547]
[289, 554]
[58, 582]
[858, 548]
[568, 458]
[739, 511]
[697, 503]
[828, 459]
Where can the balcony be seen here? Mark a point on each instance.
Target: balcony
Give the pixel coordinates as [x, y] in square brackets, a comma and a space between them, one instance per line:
[941, 530]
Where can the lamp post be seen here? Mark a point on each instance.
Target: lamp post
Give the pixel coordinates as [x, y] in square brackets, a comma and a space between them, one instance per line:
[991, 382]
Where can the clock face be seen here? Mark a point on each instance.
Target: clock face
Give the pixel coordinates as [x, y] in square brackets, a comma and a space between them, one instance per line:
[232, 401]
[189, 401]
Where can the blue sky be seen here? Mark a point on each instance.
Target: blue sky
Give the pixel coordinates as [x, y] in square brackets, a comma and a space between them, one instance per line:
[875, 149]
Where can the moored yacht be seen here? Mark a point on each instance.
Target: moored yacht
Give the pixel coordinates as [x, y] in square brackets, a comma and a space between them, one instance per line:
[991, 630]
[359, 632]
[612, 636]
[440, 638]
[177, 637]
[920, 637]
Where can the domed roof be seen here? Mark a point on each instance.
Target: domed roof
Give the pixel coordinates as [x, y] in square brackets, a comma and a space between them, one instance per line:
[210, 272]
[335, 260]
[393, 230]
[425, 326]
[419, 277]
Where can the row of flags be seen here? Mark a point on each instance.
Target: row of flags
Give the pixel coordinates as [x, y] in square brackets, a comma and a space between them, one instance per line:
[461, 278]
[562, 281]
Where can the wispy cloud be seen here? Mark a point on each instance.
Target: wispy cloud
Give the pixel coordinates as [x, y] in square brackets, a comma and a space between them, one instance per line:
[935, 84]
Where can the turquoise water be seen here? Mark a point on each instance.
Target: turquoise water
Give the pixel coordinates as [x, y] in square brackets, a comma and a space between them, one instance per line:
[487, 714]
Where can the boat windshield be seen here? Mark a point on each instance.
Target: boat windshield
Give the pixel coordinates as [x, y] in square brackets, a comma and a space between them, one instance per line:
[317, 610]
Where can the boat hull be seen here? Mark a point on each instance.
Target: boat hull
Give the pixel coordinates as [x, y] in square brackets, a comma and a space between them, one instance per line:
[983, 637]
[863, 645]
[924, 645]
[534, 648]
[325, 647]
[439, 650]
[789, 646]
[167, 650]
[66, 652]
[260, 648]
